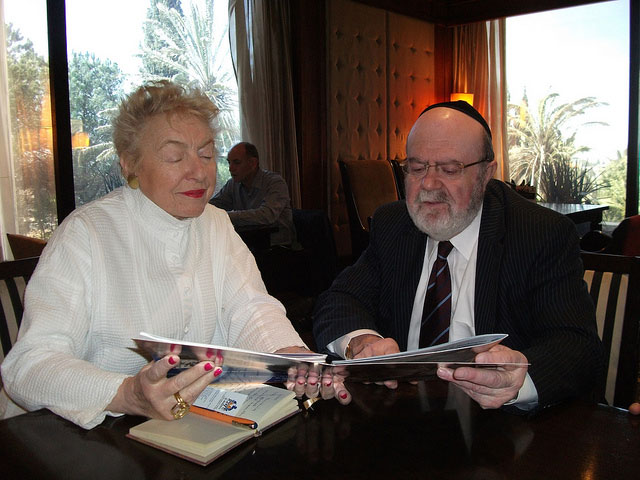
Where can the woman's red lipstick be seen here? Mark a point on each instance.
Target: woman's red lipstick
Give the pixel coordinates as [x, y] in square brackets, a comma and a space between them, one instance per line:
[194, 193]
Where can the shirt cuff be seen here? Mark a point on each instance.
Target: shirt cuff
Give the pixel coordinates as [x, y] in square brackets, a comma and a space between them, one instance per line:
[527, 398]
[339, 345]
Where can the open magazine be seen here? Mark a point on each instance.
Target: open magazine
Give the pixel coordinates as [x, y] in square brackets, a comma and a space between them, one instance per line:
[240, 366]
[421, 363]
[246, 366]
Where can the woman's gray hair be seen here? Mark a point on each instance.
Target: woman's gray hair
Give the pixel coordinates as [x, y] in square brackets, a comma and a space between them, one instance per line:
[154, 98]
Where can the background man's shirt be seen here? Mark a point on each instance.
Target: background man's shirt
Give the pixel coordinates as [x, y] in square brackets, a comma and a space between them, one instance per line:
[266, 202]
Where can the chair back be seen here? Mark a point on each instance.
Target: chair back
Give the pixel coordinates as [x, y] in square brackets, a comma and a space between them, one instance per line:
[614, 284]
[367, 185]
[14, 275]
[625, 239]
[23, 246]
[398, 174]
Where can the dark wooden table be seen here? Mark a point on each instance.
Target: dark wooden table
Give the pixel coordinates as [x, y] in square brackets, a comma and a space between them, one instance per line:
[419, 431]
[579, 213]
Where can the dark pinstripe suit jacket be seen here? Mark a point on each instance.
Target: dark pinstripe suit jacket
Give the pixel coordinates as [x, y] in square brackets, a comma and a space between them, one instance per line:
[528, 285]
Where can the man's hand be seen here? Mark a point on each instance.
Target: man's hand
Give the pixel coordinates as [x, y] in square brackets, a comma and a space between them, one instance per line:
[491, 388]
[370, 346]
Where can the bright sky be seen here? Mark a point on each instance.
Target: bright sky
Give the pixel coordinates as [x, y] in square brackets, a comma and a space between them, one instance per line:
[576, 52]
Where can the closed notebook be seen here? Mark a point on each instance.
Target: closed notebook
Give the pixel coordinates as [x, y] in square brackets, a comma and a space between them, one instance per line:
[201, 439]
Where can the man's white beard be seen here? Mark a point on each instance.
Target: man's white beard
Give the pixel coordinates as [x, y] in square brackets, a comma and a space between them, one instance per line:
[445, 226]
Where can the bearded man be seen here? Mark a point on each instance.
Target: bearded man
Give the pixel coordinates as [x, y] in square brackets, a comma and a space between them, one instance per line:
[510, 266]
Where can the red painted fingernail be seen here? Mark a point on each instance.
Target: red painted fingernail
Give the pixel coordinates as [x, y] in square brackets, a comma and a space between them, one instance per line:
[343, 395]
[172, 360]
[312, 382]
[219, 358]
[172, 347]
[301, 381]
[327, 383]
[209, 353]
[217, 372]
[208, 366]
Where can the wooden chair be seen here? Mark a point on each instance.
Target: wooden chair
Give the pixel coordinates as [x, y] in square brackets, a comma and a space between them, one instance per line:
[14, 275]
[367, 184]
[398, 174]
[23, 246]
[614, 284]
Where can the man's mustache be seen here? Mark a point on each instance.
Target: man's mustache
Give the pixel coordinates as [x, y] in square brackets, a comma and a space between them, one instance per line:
[438, 196]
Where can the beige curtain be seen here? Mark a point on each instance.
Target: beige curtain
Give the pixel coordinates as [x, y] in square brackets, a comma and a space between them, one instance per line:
[7, 188]
[479, 68]
[259, 32]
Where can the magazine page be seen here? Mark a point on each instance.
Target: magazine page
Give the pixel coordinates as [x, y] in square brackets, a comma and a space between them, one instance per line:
[240, 366]
[420, 364]
[462, 350]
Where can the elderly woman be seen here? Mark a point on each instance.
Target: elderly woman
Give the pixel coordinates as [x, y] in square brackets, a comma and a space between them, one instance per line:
[151, 256]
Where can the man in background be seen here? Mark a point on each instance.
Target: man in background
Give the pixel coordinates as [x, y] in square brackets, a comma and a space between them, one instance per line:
[254, 196]
[466, 255]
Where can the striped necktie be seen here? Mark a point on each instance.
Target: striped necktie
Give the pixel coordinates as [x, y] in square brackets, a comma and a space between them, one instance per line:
[436, 313]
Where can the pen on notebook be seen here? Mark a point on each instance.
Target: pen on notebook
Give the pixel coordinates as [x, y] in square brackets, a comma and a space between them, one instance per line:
[241, 422]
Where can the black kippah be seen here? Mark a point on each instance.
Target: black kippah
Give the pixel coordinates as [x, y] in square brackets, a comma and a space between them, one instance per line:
[465, 108]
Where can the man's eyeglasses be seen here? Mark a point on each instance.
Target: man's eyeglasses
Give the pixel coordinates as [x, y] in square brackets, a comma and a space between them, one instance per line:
[418, 170]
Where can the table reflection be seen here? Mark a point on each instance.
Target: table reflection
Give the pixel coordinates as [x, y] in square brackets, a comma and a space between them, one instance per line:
[426, 430]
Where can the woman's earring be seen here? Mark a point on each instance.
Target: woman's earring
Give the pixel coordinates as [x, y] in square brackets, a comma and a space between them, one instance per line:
[133, 182]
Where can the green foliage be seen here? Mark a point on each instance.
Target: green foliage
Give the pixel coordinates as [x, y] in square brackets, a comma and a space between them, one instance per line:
[615, 195]
[195, 49]
[566, 181]
[28, 76]
[538, 141]
[95, 89]
[222, 175]
[36, 198]
[94, 85]
[154, 43]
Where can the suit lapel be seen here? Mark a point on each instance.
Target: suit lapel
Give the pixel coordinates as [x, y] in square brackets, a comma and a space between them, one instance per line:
[490, 246]
[408, 259]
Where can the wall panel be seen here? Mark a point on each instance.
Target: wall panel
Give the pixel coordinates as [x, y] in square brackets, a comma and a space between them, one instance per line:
[380, 76]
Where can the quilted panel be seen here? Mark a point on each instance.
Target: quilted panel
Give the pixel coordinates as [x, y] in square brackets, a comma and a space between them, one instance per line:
[357, 95]
[411, 83]
[379, 77]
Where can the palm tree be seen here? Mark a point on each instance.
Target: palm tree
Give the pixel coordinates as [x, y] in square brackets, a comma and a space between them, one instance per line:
[538, 139]
[196, 49]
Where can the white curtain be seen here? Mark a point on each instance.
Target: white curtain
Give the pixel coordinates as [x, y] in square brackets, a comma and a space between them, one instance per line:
[479, 68]
[259, 32]
[7, 203]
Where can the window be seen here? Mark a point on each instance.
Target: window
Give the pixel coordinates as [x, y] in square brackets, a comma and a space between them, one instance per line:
[109, 54]
[28, 187]
[568, 87]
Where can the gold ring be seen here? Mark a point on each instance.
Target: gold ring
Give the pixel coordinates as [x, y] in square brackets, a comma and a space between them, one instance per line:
[181, 408]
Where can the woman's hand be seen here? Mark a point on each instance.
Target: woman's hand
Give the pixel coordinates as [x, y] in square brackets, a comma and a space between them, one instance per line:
[152, 394]
[312, 381]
